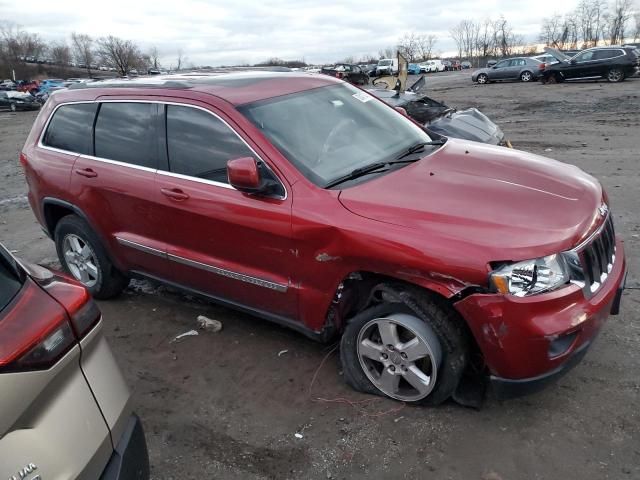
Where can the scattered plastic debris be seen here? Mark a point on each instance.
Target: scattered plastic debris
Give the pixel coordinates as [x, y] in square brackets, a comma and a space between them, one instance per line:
[209, 324]
[190, 333]
[282, 352]
[298, 435]
[396, 420]
[548, 149]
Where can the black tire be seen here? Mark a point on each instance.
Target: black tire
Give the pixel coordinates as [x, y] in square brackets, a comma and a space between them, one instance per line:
[110, 281]
[526, 76]
[615, 75]
[441, 319]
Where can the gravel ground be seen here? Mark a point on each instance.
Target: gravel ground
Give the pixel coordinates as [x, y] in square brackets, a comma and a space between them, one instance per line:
[228, 405]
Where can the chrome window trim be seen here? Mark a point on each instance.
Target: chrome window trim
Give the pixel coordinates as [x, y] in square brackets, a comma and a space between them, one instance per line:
[162, 172]
[622, 54]
[260, 282]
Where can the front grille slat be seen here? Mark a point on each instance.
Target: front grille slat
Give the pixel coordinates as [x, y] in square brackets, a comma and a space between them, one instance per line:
[597, 257]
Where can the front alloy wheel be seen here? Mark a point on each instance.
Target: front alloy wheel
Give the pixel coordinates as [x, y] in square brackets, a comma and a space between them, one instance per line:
[482, 79]
[13, 107]
[400, 355]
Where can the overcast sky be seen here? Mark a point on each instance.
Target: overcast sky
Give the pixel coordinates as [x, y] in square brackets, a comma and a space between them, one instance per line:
[215, 32]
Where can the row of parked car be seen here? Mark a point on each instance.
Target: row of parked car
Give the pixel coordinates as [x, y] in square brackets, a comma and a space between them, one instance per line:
[613, 63]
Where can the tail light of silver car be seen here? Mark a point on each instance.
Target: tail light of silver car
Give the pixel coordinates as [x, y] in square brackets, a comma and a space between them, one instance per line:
[32, 337]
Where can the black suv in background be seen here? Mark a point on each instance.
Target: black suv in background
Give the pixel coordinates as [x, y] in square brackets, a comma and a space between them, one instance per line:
[613, 63]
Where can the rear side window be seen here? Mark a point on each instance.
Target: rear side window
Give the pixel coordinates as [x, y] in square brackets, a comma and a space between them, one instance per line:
[9, 283]
[70, 128]
[126, 132]
[199, 144]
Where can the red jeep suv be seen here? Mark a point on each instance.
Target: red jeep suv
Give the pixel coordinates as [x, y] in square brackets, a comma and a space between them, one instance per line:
[306, 201]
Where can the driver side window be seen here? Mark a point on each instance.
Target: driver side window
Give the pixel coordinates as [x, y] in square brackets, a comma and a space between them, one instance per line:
[200, 144]
[502, 64]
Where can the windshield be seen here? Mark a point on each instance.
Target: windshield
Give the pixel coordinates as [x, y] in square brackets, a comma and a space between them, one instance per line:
[328, 132]
[384, 63]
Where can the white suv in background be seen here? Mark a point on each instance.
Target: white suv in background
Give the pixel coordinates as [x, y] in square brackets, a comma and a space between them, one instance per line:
[435, 65]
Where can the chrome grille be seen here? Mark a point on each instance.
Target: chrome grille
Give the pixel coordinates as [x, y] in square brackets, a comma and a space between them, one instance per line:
[597, 257]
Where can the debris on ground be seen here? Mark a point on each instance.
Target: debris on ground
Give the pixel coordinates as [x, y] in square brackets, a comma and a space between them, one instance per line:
[190, 333]
[282, 352]
[298, 435]
[209, 324]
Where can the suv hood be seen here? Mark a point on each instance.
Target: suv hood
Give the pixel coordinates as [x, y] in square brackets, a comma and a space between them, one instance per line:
[504, 203]
[557, 54]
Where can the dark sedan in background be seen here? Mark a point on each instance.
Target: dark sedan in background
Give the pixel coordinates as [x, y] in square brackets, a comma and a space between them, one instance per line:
[523, 69]
[613, 63]
[12, 100]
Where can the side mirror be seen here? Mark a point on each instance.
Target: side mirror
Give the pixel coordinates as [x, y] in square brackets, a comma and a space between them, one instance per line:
[494, 67]
[572, 62]
[250, 176]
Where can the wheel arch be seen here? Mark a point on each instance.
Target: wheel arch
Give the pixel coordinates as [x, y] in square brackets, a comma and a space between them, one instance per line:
[55, 209]
[357, 290]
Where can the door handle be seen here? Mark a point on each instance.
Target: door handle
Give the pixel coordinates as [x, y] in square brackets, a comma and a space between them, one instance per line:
[174, 194]
[86, 172]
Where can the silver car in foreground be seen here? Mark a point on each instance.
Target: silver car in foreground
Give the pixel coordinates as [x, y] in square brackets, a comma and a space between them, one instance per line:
[65, 409]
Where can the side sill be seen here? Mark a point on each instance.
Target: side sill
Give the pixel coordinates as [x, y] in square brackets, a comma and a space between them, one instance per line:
[322, 336]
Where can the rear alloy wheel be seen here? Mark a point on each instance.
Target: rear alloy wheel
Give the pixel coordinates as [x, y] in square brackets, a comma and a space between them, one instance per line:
[482, 79]
[13, 107]
[82, 254]
[615, 75]
[526, 76]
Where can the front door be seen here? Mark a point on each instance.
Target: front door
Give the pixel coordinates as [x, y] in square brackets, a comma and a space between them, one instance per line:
[220, 241]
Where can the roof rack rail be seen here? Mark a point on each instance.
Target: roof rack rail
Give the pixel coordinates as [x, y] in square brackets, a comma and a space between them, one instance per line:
[131, 84]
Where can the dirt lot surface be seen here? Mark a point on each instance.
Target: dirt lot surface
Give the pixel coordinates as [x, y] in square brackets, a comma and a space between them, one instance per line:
[228, 405]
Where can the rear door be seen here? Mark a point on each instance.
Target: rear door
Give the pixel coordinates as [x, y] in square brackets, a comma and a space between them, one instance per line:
[116, 184]
[583, 65]
[220, 241]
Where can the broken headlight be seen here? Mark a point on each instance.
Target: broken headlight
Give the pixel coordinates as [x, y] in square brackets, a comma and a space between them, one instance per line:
[531, 276]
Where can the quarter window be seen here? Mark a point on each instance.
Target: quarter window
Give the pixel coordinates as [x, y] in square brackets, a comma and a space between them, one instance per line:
[126, 132]
[199, 144]
[70, 128]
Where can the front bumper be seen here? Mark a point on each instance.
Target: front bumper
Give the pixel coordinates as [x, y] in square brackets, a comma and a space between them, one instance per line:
[130, 459]
[528, 342]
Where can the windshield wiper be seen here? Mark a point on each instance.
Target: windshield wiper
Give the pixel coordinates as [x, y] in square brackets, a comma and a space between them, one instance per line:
[418, 147]
[375, 167]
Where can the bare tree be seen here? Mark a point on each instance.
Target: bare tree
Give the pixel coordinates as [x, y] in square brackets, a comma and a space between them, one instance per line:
[485, 42]
[121, 54]
[590, 16]
[60, 53]
[636, 31]
[470, 31]
[154, 57]
[15, 46]
[181, 59]
[456, 34]
[409, 46]
[505, 39]
[552, 29]
[426, 44]
[82, 47]
[619, 17]
[388, 52]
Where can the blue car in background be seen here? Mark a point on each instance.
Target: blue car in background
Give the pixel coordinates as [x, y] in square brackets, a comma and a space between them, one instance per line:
[413, 69]
[46, 85]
